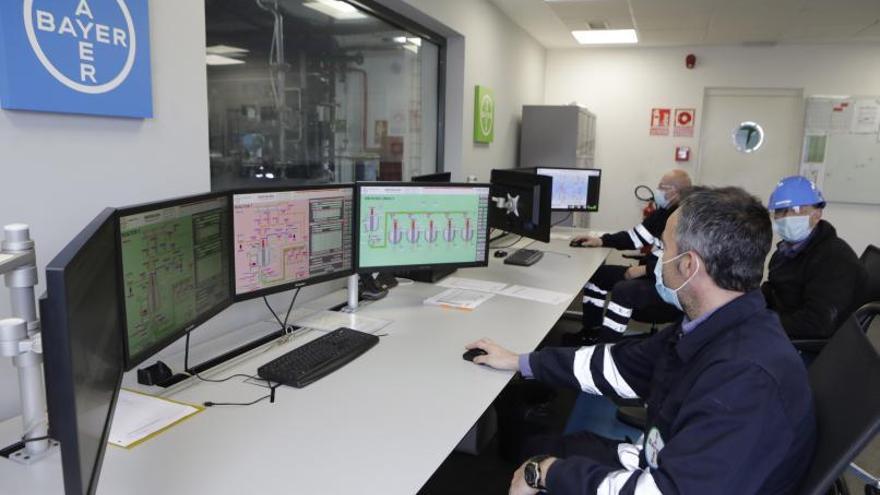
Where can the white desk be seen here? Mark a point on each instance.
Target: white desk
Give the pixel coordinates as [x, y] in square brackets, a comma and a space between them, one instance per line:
[381, 424]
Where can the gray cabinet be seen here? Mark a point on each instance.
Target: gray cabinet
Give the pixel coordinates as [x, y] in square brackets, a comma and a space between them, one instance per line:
[557, 136]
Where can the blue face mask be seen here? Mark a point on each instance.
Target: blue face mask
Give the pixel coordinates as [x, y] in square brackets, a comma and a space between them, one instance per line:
[793, 229]
[667, 294]
[660, 198]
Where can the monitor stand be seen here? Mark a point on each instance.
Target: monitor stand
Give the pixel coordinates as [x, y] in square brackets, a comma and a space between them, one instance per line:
[429, 276]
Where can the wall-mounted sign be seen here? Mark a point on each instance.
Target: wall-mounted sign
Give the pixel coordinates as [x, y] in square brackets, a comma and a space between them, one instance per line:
[660, 121]
[484, 115]
[684, 122]
[76, 56]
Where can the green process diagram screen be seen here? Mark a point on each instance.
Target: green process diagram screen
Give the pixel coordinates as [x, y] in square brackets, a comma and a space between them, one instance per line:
[175, 269]
[409, 225]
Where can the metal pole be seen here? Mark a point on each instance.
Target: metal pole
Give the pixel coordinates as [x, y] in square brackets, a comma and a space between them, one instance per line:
[353, 292]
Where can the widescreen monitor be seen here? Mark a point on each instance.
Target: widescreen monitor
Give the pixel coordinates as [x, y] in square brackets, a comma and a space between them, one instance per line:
[438, 177]
[574, 189]
[174, 264]
[421, 225]
[283, 239]
[81, 319]
[521, 203]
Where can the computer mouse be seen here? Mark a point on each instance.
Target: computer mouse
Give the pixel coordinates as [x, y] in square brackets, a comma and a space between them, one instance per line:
[500, 253]
[470, 354]
[577, 243]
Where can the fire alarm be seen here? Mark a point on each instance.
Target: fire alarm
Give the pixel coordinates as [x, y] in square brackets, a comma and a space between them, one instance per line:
[682, 153]
[690, 61]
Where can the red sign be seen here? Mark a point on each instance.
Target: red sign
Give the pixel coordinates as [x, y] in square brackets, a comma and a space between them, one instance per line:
[660, 121]
[684, 122]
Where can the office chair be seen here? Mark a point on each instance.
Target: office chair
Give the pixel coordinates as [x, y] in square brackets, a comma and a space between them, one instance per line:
[844, 379]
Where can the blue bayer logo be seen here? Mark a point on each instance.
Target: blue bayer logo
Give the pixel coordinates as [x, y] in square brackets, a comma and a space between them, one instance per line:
[88, 46]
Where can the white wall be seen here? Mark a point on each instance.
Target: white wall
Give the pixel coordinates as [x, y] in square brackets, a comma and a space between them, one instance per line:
[621, 86]
[498, 54]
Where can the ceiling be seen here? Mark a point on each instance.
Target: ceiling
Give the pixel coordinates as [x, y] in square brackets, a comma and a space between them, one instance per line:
[701, 22]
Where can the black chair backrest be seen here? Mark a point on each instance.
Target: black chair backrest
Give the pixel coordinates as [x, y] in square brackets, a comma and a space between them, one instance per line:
[871, 261]
[845, 378]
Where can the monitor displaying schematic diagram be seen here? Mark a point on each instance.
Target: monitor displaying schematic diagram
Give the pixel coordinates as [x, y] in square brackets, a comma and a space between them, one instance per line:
[174, 264]
[421, 225]
[283, 239]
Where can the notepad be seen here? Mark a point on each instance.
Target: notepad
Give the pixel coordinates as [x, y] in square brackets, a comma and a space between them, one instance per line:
[459, 298]
[471, 284]
[139, 417]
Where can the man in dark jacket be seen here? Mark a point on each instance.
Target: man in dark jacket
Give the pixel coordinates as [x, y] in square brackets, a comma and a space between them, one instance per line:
[729, 407]
[631, 287]
[815, 279]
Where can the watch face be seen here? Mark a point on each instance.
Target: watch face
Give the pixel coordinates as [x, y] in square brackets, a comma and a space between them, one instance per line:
[531, 474]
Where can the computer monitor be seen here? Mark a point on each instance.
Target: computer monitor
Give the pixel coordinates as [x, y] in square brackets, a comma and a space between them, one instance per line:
[521, 203]
[438, 177]
[418, 226]
[174, 264]
[81, 319]
[574, 189]
[288, 238]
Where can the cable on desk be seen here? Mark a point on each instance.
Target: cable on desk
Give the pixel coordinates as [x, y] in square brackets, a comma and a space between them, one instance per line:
[37, 439]
[500, 236]
[289, 309]
[270, 396]
[563, 219]
[507, 246]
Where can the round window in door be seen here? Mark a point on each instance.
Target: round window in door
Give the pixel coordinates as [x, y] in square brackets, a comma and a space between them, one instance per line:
[748, 137]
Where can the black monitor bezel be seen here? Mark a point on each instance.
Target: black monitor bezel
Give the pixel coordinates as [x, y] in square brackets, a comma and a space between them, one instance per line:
[576, 210]
[388, 268]
[132, 361]
[546, 201]
[299, 283]
[446, 178]
[61, 406]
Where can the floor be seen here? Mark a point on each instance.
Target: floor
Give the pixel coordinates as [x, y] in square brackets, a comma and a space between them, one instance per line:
[489, 473]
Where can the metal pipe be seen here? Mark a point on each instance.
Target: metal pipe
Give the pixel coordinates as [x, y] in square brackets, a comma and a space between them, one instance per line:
[353, 292]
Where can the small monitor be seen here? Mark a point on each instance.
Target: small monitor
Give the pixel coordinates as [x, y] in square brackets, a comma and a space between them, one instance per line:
[438, 177]
[574, 189]
[174, 260]
[521, 203]
[282, 239]
[81, 319]
[421, 225]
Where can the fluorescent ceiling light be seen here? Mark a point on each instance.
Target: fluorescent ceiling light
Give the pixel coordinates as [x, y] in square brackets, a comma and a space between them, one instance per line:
[399, 39]
[605, 36]
[225, 50]
[336, 9]
[415, 41]
[411, 48]
[212, 59]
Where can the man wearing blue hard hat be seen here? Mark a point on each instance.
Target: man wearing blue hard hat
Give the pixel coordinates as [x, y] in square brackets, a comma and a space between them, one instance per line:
[815, 279]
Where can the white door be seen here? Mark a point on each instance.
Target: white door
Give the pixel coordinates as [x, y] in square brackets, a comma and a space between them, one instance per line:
[778, 112]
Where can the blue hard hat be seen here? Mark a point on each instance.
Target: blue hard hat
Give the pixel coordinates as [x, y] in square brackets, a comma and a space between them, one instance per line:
[796, 190]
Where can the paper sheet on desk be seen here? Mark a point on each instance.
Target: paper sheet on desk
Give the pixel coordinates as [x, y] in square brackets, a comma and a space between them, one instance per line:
[471, 284]
[138, 417]
[559, 236]
[459, 298]
[331, 320]
[537, 295]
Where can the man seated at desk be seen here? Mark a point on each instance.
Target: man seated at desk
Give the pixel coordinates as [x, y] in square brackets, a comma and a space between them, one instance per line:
[729, 407]
[631, 287]
[815, 279]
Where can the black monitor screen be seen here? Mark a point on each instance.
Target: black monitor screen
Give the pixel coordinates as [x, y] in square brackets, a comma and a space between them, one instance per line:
[175, 269]
[291, 237]
[574, 189]
[421, 225]
[438, 177]
[82, 342]
[520, 203]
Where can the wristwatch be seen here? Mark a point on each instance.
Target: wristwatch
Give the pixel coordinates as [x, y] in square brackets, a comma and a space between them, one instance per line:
[532, 472]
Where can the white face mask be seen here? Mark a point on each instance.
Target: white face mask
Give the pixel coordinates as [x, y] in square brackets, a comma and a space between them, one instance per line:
[660, 198]
[667, 294]
[793, 228]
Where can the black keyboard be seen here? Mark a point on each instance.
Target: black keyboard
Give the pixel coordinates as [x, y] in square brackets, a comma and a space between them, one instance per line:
[524, 257]
[317, 358]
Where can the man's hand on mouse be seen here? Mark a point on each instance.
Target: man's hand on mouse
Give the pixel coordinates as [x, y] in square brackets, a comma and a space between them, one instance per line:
[496, 356]
[588, 241]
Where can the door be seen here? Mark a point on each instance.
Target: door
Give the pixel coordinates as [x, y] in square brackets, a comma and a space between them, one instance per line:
[779, 115]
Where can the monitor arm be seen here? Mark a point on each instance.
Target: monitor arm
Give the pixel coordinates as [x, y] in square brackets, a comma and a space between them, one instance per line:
[509, 204]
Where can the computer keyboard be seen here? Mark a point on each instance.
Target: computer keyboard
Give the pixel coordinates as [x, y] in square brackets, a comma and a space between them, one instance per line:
[524, 257]
[318, 358]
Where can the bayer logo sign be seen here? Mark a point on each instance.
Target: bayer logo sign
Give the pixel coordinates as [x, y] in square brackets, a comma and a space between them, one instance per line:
[87, 49]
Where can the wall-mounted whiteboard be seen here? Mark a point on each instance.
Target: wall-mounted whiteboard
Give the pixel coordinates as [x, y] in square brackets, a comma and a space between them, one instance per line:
[841, 149]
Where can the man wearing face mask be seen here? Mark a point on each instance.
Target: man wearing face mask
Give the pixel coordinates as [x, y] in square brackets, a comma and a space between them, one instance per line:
[815, 279]
[631, 287]
[729, 407]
